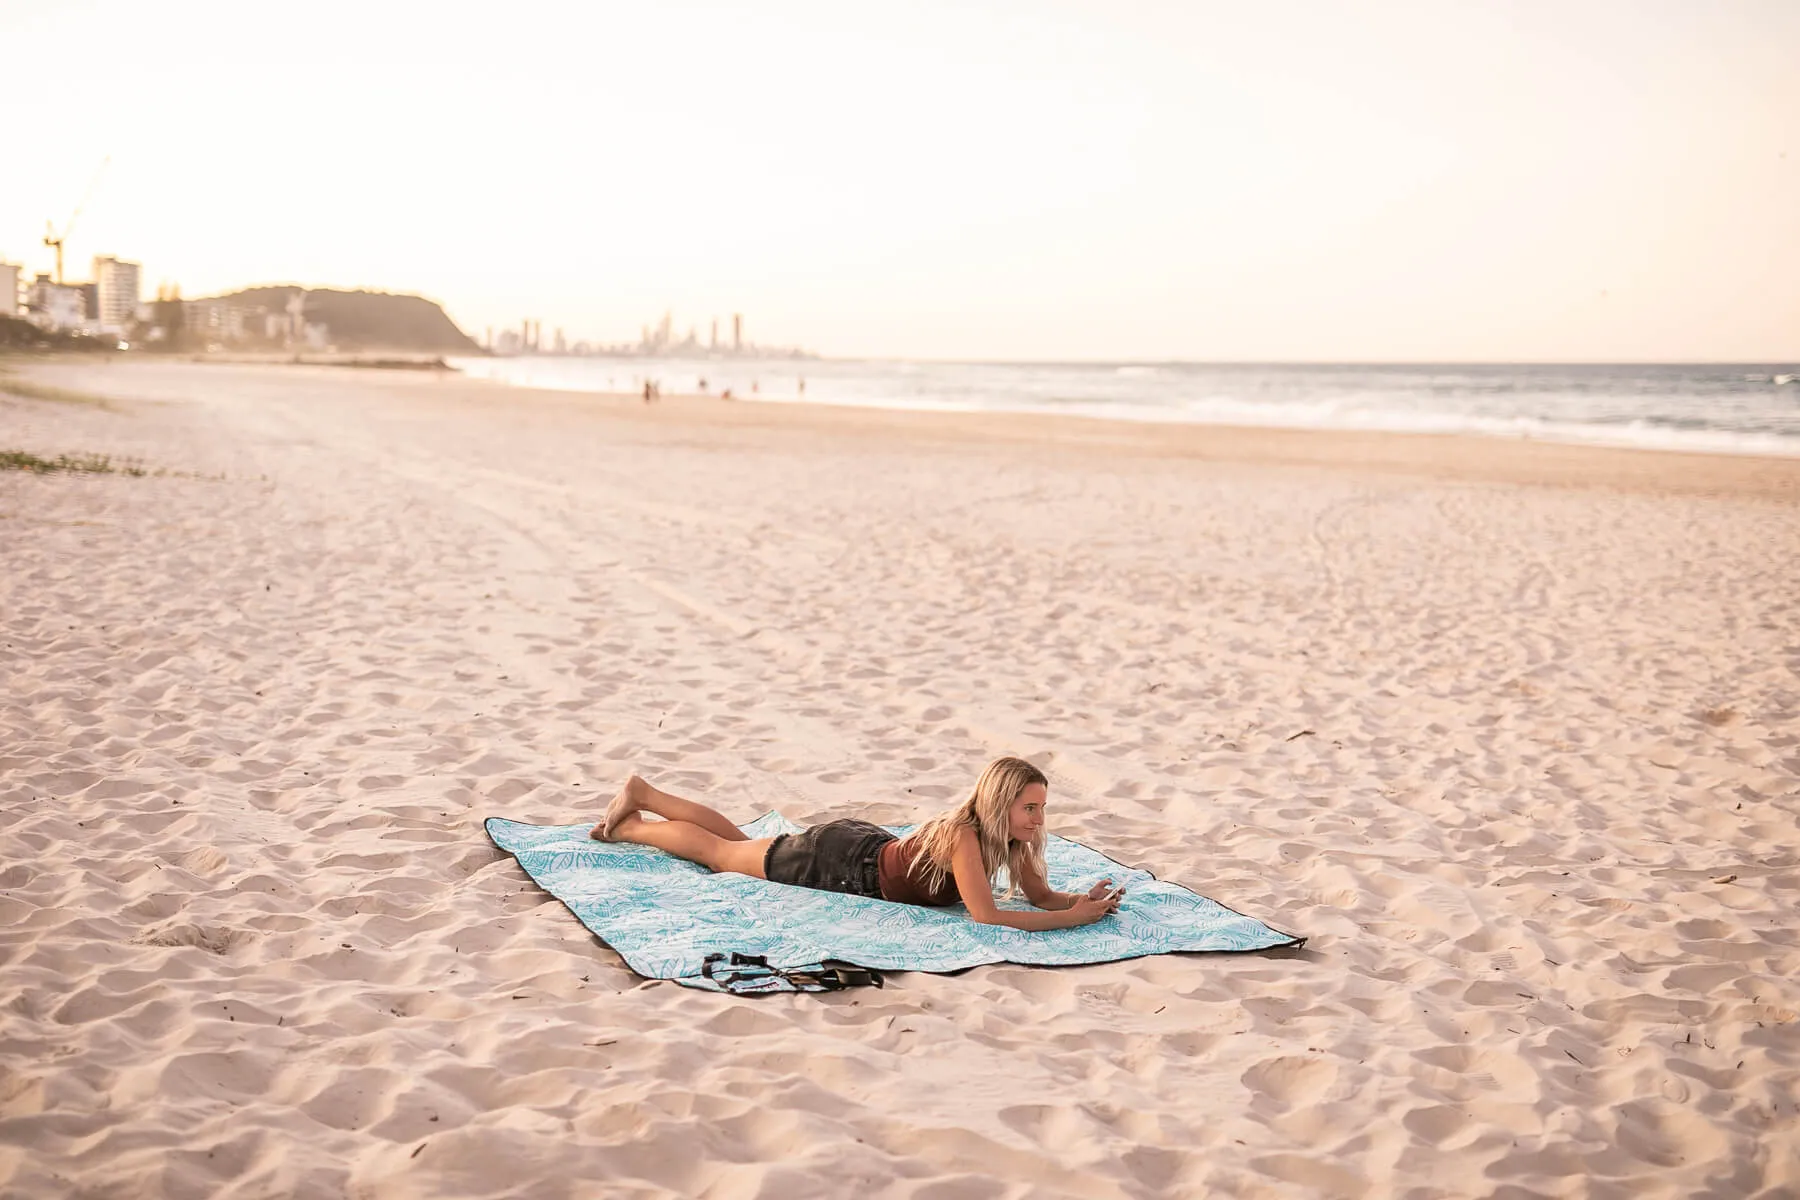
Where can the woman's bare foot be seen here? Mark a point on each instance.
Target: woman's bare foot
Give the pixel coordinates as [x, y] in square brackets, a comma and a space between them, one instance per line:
[629, 800]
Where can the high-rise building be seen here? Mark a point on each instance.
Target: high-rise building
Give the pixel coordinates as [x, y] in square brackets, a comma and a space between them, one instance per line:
[52, 305]
[737, 331]
[9, 289]
[117, 284]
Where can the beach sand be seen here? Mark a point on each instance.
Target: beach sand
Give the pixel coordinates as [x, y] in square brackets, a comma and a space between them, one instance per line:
[1510, 731]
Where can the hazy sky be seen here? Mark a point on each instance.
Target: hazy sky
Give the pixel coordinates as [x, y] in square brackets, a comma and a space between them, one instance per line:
[1043, 179]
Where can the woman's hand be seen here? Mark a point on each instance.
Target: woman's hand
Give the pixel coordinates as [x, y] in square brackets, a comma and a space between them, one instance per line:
[1090, 908]
[1100, 889]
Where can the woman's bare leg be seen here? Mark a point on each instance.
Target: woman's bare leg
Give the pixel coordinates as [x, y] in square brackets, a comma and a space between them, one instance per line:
[639, 796]
[684, 839]
[688, 829]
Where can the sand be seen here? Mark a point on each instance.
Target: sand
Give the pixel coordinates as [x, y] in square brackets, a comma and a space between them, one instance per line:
[1510, 731]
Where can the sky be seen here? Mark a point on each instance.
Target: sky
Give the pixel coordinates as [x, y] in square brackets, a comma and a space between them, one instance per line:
[1577, 180]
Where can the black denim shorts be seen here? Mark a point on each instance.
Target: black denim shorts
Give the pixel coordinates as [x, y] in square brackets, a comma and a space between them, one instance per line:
[838, 856]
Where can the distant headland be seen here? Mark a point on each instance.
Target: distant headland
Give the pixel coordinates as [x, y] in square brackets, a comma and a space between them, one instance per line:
[285, 317]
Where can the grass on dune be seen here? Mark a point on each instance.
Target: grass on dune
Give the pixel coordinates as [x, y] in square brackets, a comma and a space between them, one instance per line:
[83, 464]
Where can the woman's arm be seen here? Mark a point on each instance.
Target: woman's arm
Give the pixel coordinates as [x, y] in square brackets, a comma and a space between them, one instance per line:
[978, 896]
[1041, 895]
[1038, 890]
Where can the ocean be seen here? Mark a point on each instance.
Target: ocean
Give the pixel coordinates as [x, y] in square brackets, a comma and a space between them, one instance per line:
[1736, 408]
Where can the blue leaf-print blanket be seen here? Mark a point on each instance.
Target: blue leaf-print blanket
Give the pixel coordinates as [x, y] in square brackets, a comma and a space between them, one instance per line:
[672, 919]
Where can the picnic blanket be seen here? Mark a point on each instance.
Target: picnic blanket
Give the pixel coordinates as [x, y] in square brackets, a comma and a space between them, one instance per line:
[672, 919]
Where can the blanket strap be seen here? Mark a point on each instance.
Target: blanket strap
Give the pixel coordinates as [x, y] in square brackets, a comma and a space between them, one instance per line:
[828, 976]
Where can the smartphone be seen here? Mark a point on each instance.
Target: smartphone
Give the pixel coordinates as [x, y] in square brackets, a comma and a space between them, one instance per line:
[1116, 892]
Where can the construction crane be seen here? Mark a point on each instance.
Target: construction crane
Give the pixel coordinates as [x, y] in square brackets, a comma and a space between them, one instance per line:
[54, 239]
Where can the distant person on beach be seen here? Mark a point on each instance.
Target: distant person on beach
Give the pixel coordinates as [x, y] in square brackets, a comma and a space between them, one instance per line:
[803, 385]
[955, 855]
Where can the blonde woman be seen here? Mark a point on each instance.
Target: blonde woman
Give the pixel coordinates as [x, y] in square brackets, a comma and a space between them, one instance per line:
[955, 855]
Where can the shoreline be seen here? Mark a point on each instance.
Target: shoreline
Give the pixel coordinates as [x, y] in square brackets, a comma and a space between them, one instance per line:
[1442, 457]
[1300, 411]
[1439, 456]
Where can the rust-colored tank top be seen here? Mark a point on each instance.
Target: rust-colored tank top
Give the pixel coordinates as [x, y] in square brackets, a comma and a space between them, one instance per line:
[902, 878]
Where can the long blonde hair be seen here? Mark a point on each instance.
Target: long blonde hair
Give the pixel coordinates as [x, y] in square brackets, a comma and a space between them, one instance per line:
[985, 811]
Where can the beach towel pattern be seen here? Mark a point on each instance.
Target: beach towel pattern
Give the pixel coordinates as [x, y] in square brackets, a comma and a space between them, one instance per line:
[672, 919]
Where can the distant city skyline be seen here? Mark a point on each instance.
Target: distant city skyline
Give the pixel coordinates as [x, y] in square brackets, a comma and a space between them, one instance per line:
[527, 337]
[1063, 180]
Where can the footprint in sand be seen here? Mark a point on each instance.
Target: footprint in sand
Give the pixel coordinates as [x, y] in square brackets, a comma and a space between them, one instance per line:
[1290, 1081]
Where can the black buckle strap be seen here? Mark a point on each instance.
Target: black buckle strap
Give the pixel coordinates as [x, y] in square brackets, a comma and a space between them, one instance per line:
[831, 976]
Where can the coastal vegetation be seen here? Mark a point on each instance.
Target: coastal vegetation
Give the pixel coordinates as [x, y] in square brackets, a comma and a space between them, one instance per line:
[17, 334]
[79, 464]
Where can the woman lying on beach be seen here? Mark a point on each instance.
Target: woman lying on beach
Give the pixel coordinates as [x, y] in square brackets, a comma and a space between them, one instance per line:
[955, 855]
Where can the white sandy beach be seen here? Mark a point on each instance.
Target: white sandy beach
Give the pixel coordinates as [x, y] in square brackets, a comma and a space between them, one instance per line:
[1509, 731]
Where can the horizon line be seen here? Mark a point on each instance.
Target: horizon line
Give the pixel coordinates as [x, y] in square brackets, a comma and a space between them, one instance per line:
[1215, 362]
